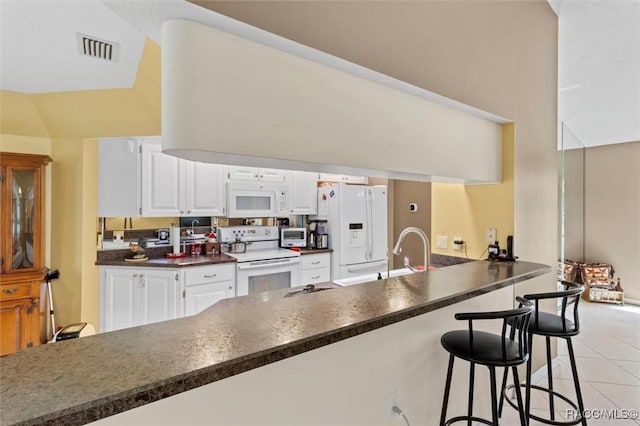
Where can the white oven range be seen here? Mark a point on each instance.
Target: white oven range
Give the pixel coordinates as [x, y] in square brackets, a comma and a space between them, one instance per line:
[263, 266]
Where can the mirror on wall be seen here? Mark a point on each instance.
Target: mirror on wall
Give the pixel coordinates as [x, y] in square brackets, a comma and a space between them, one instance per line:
[571, 195]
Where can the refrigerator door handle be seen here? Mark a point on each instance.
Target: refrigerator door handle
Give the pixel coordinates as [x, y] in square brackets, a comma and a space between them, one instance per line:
[371, 230]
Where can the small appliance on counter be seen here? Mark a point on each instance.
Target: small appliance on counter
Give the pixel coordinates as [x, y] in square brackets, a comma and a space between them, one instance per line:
[495, 253]
[293, 237]
[318, 228]
[322, 241]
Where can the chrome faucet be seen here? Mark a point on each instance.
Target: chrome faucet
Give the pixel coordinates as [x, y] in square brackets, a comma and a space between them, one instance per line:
[192, 222]
[425, 243]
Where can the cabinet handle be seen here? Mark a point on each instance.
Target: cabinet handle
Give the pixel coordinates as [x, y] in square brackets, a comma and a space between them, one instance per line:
[135, 275]
[10, 291]
[230, 287]
[211, 276]
[188, 211]
[316, 262]
[316, 277]
[181, 211]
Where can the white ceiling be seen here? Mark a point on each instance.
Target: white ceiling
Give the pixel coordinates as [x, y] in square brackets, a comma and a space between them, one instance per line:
[40, 53]
[599, 67]
[599, 70]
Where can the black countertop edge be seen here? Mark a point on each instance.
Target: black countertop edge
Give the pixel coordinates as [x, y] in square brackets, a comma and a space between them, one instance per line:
[117, 403]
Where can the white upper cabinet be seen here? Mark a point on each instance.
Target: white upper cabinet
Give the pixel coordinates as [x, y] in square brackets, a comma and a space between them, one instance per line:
[119, 177]
[245, 174]
[175, 187]
[162, 181]
[303, 187]
[204, 189]
[329, 177]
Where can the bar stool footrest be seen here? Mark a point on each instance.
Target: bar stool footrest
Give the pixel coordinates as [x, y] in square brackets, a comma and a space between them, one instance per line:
[554, 393]
[466, 419]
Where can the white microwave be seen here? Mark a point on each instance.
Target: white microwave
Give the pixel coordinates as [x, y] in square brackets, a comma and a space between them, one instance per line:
[257, 199]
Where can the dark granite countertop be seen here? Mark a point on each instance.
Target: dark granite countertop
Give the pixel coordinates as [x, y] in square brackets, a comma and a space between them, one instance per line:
[161, 262]
[82, 380]
[304, 251]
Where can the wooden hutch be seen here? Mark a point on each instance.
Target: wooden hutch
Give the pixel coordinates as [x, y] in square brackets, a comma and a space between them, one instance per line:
[23, 307]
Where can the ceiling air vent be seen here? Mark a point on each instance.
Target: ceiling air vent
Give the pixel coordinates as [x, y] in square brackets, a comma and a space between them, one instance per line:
[96, 48]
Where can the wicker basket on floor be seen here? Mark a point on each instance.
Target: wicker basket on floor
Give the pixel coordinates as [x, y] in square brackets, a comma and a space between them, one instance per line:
[600, 285]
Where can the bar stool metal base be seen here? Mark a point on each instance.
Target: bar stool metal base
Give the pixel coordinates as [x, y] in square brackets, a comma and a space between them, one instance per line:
[467, 419]
[551, 394]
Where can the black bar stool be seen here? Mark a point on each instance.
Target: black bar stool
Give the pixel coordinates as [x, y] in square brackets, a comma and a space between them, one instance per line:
[552, 325]
[492, 350]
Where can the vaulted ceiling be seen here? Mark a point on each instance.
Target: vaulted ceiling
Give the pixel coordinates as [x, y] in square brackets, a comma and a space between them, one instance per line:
[599, 87]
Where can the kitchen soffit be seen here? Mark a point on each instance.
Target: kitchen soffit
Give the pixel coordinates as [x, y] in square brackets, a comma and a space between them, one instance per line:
[599, 88]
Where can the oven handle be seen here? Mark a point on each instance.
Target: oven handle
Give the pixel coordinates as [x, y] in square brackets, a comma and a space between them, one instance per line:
[274, 263]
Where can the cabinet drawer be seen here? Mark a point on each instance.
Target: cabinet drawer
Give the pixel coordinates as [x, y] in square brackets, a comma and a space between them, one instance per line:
[15, 291]
[209, 274]
[316, 276]
[312, 261]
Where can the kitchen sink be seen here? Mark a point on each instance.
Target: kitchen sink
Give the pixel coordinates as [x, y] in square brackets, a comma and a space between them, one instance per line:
[372, 277]
[310, 288]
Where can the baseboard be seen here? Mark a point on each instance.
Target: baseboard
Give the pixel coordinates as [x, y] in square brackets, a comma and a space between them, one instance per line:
[631, 301]
[542, 372]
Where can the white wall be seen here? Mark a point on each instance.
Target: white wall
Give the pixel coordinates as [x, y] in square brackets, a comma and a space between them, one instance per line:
[345, 383]
[612, 211]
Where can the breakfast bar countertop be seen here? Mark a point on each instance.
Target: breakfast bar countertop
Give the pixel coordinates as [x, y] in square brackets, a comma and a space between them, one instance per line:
[82, 380]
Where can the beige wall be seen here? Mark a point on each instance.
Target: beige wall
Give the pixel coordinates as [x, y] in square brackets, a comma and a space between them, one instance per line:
[406, 192]
[574, 204]
[612, 211]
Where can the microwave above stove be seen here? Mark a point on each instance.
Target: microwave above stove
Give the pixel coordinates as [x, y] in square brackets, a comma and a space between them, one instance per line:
[293, 237]
[257, 199]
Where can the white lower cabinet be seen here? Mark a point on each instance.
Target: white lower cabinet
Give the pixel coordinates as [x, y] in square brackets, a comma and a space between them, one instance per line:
[136, 296]
[315, 268]
[206, 285]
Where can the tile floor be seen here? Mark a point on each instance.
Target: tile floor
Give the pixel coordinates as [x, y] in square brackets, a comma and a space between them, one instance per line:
[608, 358]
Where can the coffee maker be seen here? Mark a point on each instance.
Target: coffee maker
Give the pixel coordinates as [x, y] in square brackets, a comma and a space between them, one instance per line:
[318, 236]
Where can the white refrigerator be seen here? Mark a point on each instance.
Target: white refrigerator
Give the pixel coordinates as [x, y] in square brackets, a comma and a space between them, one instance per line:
[357, 226]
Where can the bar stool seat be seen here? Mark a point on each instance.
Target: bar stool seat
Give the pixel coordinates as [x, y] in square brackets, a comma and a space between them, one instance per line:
[551, 325]
[486, 348]
[491, 350]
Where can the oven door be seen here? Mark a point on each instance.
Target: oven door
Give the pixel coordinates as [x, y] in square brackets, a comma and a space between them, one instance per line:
[265, 275]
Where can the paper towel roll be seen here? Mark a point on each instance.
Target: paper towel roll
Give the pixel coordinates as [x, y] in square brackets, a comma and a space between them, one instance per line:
[175, 239]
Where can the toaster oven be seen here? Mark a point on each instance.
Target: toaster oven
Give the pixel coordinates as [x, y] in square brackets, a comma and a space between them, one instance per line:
[293, 237]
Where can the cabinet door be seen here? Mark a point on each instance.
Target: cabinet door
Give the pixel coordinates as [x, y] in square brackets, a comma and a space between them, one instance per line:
[118, 298]
[15, 319]
[204, 187]
[303, 192]
[119, 177]
[159, 296]
[241, 174]
[271, 175]
[162, 181]
[329, 177]
[200, 297]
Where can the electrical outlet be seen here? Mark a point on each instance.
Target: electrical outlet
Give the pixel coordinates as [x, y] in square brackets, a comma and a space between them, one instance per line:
[393, 402]
[456, 243]
[491, 235]
[441, 241]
